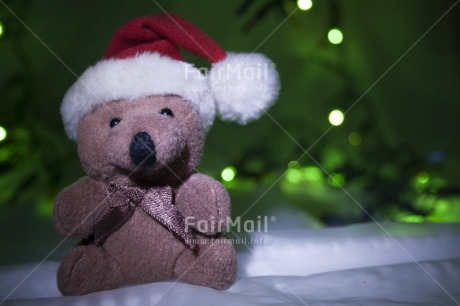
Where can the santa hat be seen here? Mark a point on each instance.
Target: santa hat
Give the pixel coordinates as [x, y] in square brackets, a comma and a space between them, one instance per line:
[143, 59]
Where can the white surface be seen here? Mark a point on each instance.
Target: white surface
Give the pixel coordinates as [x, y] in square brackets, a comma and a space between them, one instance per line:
[353, 265]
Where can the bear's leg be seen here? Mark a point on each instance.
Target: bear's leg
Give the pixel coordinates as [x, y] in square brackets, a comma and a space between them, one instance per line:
[212, 265]
[86, 269]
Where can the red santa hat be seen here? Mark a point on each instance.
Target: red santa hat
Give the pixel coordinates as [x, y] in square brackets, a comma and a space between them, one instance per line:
[143, 59]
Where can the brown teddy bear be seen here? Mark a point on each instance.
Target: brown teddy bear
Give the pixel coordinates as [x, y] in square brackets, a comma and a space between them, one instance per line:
[139, 117]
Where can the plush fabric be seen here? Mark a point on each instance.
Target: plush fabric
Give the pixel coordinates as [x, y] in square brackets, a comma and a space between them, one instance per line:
[144, 75]
[244, 86]
[139, 117]
[142, 249]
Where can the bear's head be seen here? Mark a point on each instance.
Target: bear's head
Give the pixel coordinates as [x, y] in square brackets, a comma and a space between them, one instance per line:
[153, 140]
[139, 114]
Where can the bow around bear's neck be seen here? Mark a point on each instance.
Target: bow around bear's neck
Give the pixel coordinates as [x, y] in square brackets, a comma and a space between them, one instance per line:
[156, 201]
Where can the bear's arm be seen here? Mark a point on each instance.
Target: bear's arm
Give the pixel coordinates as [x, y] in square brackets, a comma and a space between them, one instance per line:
[77, 207]
[205, 204]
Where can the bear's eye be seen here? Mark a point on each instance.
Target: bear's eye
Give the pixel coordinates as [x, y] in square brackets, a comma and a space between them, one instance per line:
[114, 121]
[167, 111]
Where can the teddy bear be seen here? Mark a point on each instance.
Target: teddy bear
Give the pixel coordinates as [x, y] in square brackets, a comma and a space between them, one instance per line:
[139, 118]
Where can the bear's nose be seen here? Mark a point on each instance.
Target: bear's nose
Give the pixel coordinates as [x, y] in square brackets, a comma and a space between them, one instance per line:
[142, 149]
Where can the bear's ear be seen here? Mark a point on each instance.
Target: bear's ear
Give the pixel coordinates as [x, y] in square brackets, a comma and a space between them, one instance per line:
[244, 86]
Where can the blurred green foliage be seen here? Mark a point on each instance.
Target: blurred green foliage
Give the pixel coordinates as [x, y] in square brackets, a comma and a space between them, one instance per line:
[395, 153]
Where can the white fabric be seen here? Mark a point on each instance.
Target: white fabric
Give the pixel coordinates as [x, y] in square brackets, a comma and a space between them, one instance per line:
[244, 86]
[353, 265]
[132, 78]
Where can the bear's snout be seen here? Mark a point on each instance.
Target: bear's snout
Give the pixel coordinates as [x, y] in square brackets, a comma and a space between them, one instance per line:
[142, 149]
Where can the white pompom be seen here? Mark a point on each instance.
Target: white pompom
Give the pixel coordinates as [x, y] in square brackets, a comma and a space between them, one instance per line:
[244, 86]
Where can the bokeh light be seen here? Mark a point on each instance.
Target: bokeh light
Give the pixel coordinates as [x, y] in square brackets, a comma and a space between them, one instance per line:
[228, 174]
[335, 36]
[293, 164]
[304, 5]
[336, 117]
[354, 138]
[336, 180]
[3, 133]
[423, 177]
[294, 175]
[312, 173]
